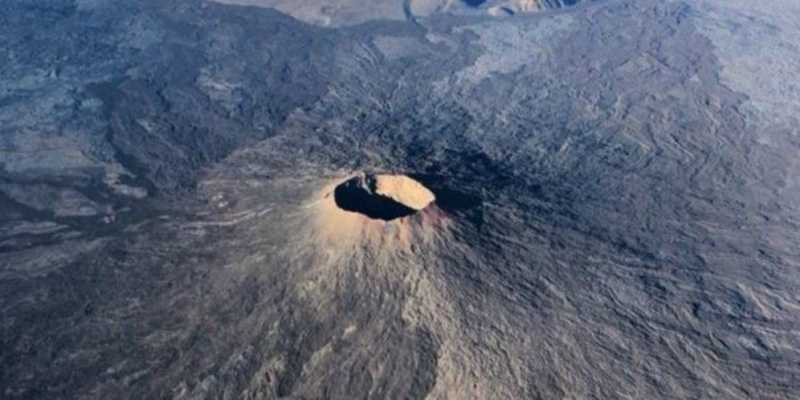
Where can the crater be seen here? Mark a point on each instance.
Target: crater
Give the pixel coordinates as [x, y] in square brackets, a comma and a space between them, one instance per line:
[383, 196]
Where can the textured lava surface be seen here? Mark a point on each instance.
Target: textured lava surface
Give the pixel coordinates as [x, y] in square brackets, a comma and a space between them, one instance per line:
[616, 214]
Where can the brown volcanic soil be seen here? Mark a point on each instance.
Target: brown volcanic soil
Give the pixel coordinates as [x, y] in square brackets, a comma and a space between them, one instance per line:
[383, 210]
[403, 190]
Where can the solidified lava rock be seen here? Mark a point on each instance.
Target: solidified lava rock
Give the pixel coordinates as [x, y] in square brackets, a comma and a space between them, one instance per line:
[384, 197]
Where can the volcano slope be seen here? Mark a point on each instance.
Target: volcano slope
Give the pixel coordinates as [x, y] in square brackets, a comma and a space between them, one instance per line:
[615, 214]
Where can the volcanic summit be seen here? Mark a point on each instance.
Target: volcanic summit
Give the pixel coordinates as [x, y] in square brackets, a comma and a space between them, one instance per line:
[385, 197]
[377, 209]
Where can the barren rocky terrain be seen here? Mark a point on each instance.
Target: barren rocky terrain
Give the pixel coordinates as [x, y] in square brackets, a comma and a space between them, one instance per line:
[615, 186]
[353, 12]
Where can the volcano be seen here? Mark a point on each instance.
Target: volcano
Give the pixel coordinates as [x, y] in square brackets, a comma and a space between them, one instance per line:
[399, 199]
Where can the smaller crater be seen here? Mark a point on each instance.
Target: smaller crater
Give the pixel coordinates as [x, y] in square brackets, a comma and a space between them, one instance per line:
[385, 197]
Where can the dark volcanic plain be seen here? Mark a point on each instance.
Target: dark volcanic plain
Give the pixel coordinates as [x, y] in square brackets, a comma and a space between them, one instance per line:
[617, 208]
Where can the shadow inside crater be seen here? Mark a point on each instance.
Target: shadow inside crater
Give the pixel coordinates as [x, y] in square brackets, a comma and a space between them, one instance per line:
[353, 196]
